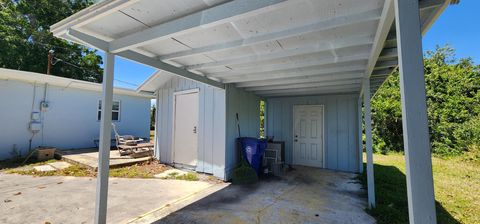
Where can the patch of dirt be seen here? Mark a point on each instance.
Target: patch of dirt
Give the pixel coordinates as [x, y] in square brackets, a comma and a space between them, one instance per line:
[145, 169]
[142, 170]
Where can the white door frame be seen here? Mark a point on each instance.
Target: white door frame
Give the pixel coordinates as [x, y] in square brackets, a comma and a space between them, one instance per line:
[323, 132]
[175, 94]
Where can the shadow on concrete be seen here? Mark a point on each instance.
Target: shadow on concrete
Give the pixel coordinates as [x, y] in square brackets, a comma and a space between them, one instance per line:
[306, 195]
[391, 197]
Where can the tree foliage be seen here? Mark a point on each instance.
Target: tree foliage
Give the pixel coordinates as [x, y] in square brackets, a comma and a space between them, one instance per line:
[153, 112]
[453, 105]
[25, 39]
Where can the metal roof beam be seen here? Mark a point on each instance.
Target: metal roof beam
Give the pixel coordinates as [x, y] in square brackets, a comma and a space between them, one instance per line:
[427, 4]
[206, 18]
[309, 90]
[386, 64]
[306, 85]
[169, 68]
[137, 57]
[295, 73]
[386, 21]
[388, 53]
[315, 27]
[303, 79]
[327, 46]
[292, 65]
[85, 39]
[382, 72]
[326, 92]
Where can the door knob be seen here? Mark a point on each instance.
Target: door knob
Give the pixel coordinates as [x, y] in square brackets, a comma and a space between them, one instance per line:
[195, 129]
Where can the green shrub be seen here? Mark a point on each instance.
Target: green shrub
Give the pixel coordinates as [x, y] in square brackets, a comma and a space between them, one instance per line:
[244, 174]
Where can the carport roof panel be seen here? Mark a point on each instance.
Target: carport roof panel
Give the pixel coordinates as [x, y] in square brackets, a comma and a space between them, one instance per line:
[242, 41]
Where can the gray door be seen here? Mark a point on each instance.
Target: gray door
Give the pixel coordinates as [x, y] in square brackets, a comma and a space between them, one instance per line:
[308, 135]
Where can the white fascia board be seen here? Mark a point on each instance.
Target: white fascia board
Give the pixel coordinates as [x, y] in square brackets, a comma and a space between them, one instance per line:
[322, 25]
[223, 13]
[62, 82]
[142, 87]
[89, 14]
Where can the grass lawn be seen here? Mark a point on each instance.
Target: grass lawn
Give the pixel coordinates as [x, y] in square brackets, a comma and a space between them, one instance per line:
[457, 189]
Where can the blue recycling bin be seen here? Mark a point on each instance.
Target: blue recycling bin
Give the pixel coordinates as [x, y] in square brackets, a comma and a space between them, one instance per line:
[252, 151]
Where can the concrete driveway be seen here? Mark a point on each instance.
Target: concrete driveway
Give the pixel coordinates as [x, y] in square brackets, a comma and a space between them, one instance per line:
[27, 199]
[305, 195]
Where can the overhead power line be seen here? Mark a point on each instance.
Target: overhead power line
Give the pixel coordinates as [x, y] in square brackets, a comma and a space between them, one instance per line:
[90, 71]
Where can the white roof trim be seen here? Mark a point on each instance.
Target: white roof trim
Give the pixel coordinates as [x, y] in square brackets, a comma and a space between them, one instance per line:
[89, 14]
[33, 77]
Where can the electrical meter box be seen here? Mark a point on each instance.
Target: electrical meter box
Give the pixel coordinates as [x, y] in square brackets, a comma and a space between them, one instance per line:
[35, 126]
[35, 116]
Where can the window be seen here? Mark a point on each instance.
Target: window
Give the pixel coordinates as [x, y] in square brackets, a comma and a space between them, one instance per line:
[115, 110]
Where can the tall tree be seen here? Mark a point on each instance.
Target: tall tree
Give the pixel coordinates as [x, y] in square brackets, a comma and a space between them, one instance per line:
[25, 39]
[453, 100]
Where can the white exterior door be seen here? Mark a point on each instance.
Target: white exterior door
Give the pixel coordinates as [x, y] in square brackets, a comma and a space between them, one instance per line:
[308, 135]
[185, 146]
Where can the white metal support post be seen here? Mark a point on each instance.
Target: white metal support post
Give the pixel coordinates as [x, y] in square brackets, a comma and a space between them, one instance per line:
[105, 141]
[368, 143]
[421, 199]
[360, 135]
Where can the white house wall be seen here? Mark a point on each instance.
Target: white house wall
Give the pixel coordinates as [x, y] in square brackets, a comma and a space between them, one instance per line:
[70, 121]
[247, 105]
[341, 125]
[211, 126]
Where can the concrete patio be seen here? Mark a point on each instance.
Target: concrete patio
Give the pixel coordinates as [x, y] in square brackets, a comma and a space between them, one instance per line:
[305, 195]
[89, 158]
